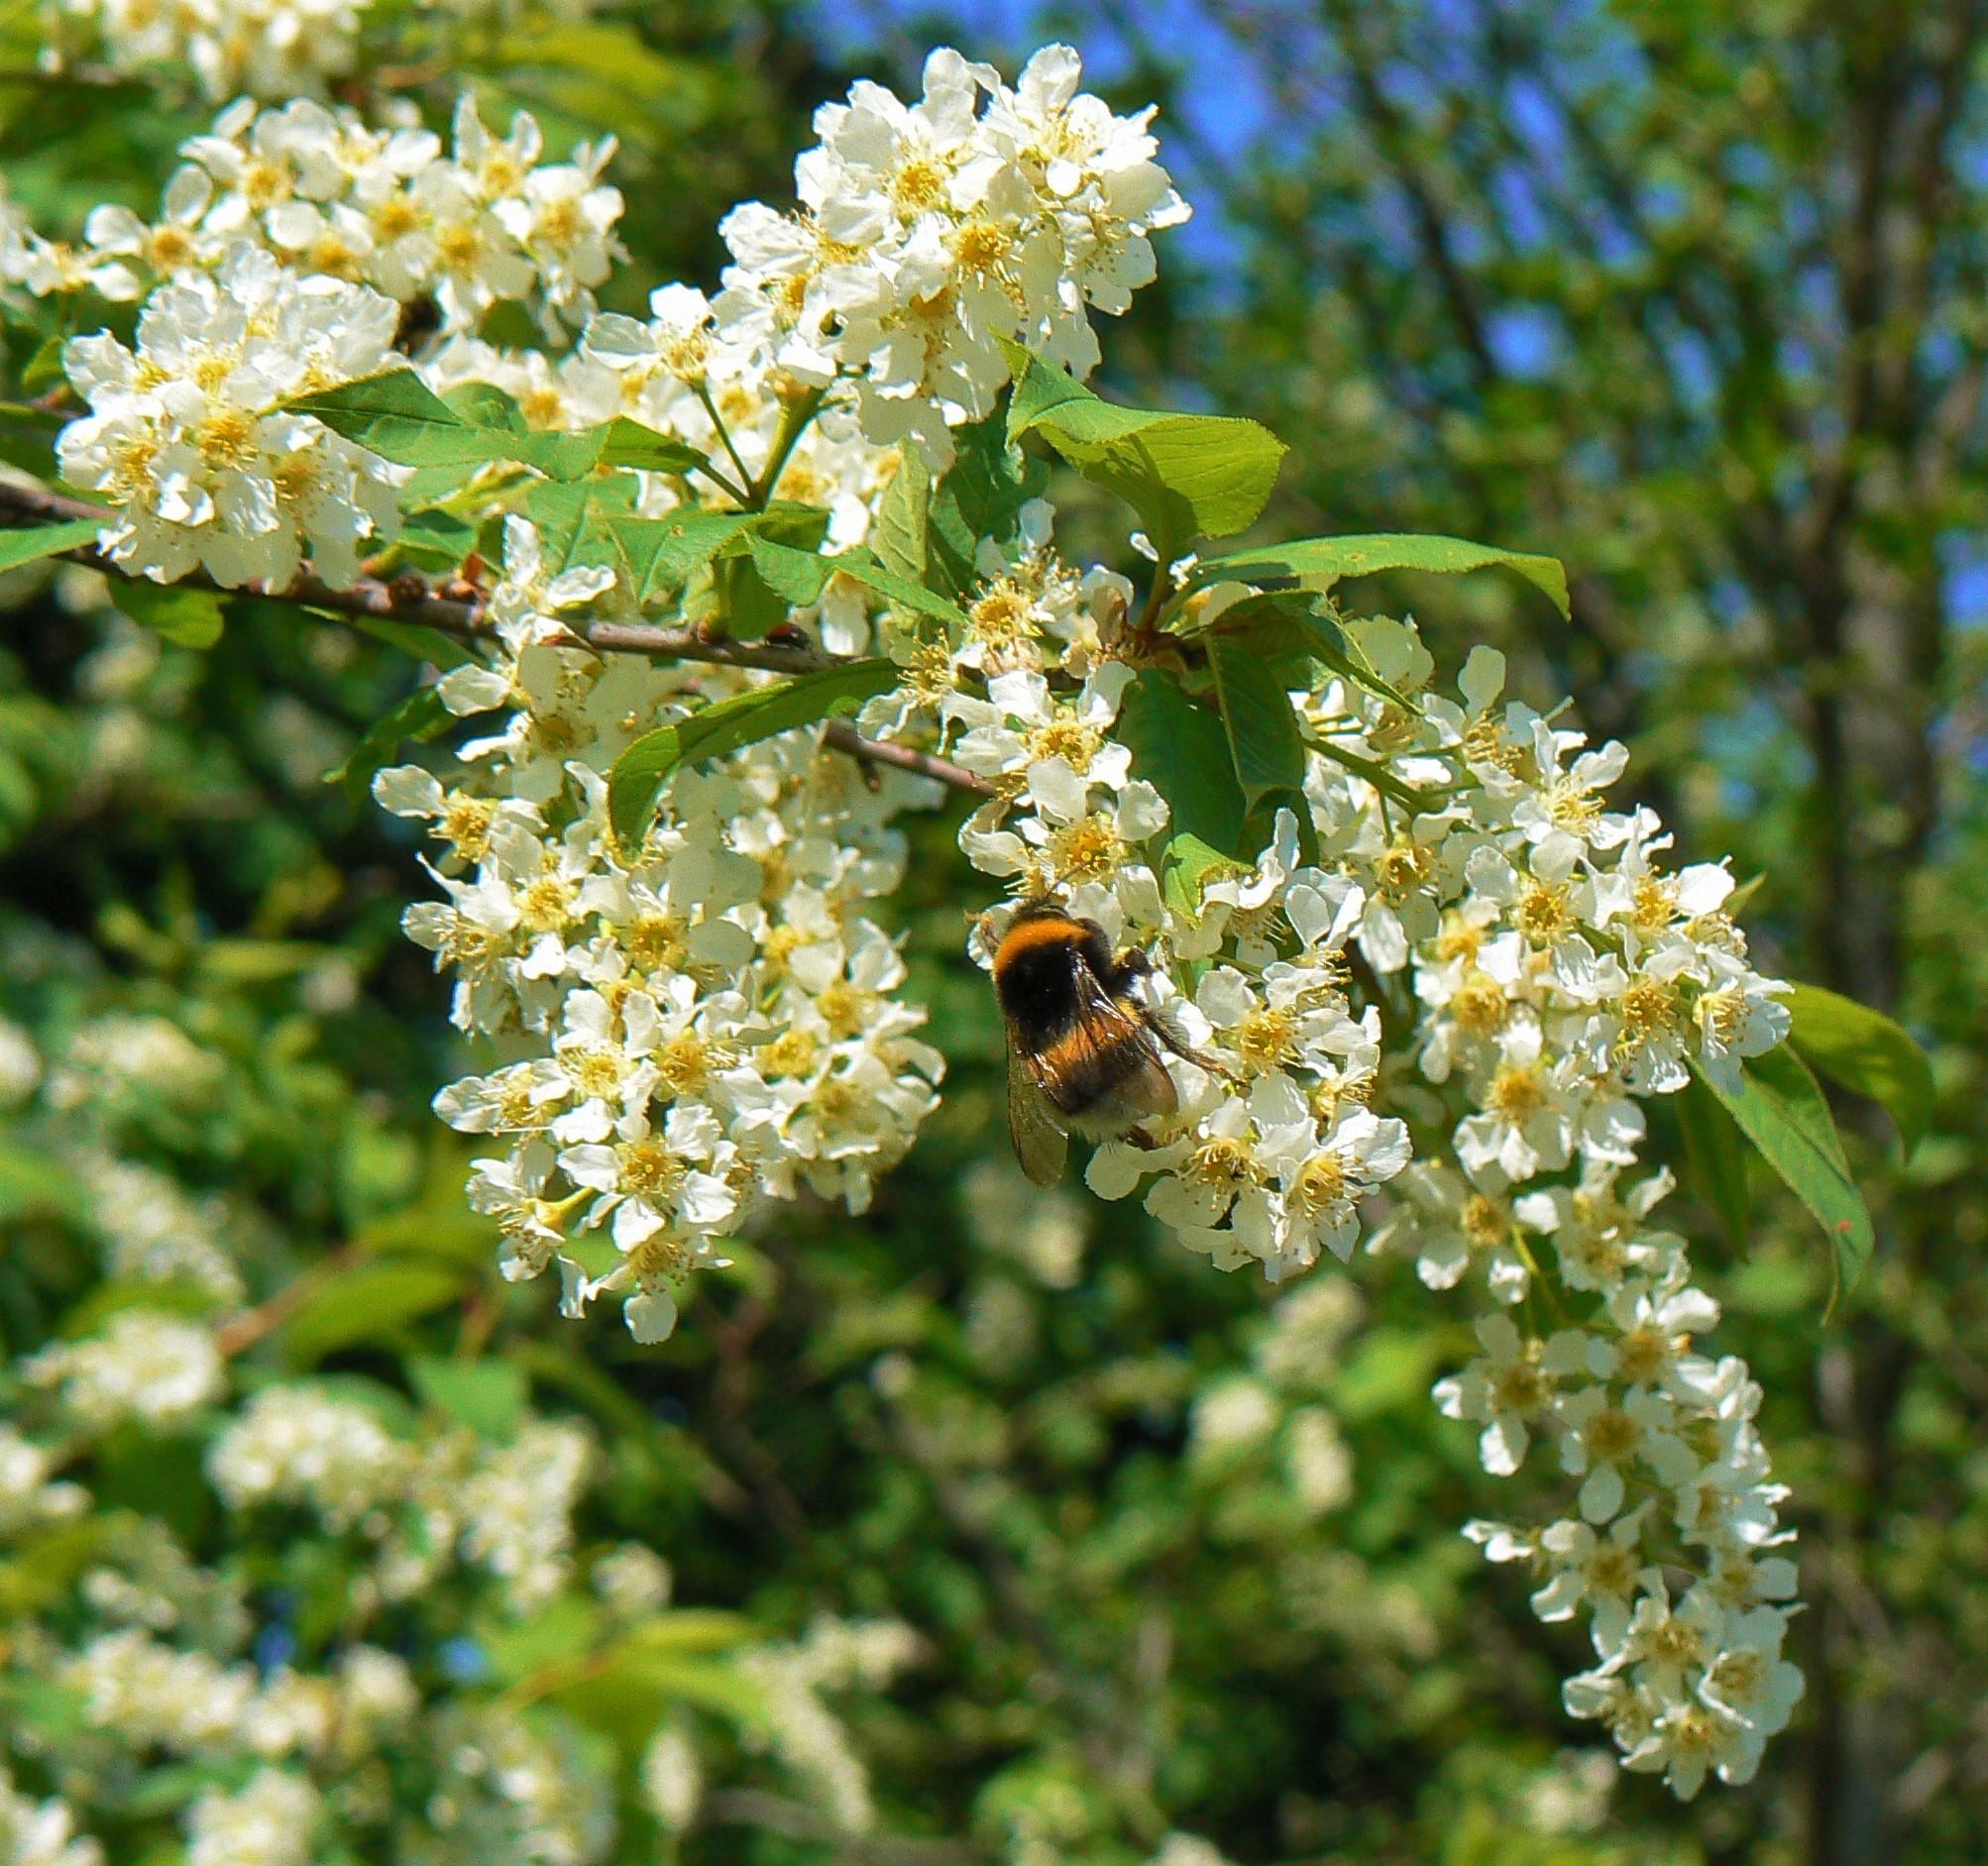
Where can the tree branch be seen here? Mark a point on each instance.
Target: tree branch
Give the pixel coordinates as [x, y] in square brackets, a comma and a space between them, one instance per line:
[842, 736]
[411, 600]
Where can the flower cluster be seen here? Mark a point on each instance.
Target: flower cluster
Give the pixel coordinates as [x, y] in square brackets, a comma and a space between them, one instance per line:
[702, 1016]
[503, 1509]
[713, 1020]
[256, 49]
[155, 1658]
[831, 1656]
[145, 1366]
[42, 1832]
[1562, 973]
[481, 221]
[188, 438]
[1273, 1146]
[261, 47]
[1558, 973]
[926, 232]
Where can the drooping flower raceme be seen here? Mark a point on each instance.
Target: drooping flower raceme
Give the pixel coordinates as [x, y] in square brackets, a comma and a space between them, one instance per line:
[1560, 974]
[716, 1020]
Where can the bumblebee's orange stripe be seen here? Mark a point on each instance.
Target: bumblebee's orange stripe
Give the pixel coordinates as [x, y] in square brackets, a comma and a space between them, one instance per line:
[1038, 933]
[1085, 1042]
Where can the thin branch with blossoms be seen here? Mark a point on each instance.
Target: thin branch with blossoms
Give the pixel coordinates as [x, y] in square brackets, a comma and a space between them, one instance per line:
[409, 599]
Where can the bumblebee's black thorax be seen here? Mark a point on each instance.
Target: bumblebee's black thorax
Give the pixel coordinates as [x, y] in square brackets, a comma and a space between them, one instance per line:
[1037, 967]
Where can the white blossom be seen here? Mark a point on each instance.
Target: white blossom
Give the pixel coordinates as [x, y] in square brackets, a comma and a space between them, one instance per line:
[188, 438]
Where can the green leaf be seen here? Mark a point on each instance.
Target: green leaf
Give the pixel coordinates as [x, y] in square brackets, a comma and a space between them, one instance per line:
[559, 456]
[1181, 748]
[369, 1301]
[1319, 563]
[400, 418]
[641, 771]
[748, 605]
[600, 77]
[34, 1185]
[799, 577]
[1187, 476]
[436, 540]
[663, 554]
[420, 716]
[190, 617]
[1184, 868]
[486, 406]
[1715, 1152]
[980, 496]
[573, 518]
[425, 644]
[551, 1640]
[632, 1689]
[1330, 645]
[1780, 1109]
[1389, 1369]
[44, 1564]
[488, 1397]
[46, 1713]
[25, 547]
[177, 1295]
[1264, 741]
[902, 533]
[1866, 1052]
[691, 1629]
[44, 368]
[626, 443]
[900, 592]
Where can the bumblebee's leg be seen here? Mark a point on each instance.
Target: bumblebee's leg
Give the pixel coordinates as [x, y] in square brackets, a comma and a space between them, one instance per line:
[1161, 1027]
[1126, 966]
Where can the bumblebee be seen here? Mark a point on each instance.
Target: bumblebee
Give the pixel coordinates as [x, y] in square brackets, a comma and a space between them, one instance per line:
[1083, 1050]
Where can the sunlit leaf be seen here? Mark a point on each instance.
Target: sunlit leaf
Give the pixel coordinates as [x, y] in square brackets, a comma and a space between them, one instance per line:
[642, 770]
[1317, 563]
[980, 496]
[369, 1301]
[419, 716]
[25, 547]
[1866, 1052]
[189, 617]
[664, 553]
[1181, 748]
[1187, 476]
[902, 532]
[1264, 741]
[488, 1397]
[1780, 1109]
[1715, 1151]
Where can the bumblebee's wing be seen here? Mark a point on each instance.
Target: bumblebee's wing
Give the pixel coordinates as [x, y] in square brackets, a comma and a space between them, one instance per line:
[1041, 1145]
[1115, 1047]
